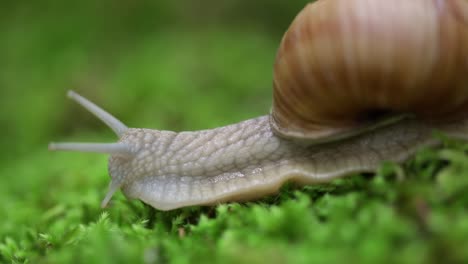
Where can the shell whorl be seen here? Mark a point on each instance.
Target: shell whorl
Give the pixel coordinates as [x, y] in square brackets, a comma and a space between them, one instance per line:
[342, 64]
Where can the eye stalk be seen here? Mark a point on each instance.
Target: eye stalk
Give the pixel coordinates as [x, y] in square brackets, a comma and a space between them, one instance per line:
[116, 125]
[118, 148]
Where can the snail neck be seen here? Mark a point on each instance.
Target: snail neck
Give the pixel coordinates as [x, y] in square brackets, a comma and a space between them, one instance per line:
[200, 164]
[237, 147]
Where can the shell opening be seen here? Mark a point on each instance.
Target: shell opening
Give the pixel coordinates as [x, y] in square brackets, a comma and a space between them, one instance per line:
[374, 115]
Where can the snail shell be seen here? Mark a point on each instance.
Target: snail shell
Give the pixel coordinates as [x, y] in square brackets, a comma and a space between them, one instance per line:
[344, 69]
[344, 65]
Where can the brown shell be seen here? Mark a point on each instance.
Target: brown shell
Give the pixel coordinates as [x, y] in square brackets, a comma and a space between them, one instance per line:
[342, 64]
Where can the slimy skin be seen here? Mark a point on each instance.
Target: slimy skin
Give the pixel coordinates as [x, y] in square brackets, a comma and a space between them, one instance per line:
[169, 170]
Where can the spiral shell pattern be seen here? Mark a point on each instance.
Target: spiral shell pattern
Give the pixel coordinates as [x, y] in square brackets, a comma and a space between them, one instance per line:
[343, 64]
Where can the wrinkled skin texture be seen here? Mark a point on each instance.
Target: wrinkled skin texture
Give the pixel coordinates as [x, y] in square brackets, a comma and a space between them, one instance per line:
[246, 160]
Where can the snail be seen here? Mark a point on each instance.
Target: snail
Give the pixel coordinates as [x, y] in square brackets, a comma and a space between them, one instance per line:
[356, 82]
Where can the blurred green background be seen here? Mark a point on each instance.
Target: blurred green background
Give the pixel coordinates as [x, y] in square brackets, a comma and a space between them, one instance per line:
[163, 64]
[186, 65]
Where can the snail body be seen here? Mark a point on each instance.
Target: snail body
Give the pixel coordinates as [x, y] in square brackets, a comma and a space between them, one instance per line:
[347, 96]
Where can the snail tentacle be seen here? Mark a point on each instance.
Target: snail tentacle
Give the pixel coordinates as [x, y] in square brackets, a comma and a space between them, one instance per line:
[108, 148]
[113, 187]
[116, 125]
